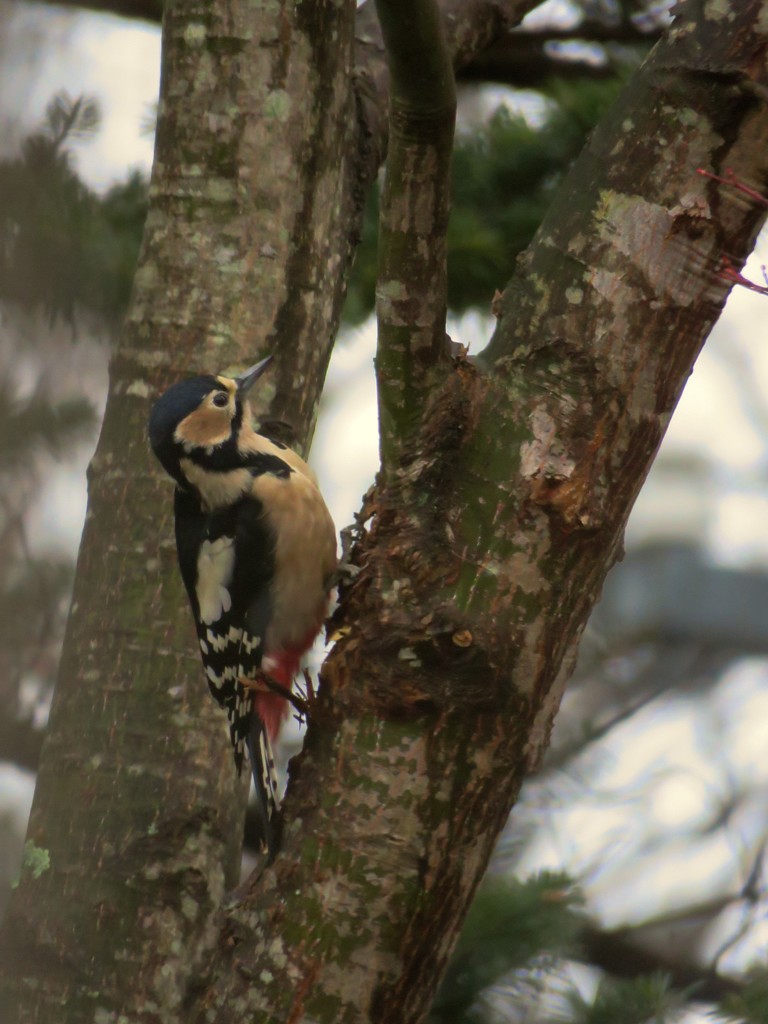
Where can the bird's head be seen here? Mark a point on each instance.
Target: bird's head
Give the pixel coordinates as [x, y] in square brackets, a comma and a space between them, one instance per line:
[201, 418]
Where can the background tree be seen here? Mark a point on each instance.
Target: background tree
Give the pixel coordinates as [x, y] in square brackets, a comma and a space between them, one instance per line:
[67, 257]
[425, 709]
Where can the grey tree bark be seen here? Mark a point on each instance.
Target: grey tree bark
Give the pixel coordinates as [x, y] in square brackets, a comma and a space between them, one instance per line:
[487, 539]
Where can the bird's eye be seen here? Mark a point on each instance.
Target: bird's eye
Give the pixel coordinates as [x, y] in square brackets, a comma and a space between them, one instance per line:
[220, 399]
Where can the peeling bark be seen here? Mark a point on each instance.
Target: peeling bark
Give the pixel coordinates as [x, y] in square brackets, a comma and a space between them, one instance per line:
[489, 539]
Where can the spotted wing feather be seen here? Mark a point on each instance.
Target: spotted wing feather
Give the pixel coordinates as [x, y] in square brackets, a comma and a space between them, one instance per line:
[226, 559]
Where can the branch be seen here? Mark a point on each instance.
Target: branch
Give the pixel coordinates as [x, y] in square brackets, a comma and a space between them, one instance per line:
[536, 70]
[625, 32]
[653, 945]
[411, 286]
[617, 952]
[525, 59]
[470, 26]
[141, 10]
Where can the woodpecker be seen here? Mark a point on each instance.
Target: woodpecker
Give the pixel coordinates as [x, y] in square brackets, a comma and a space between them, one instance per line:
[256, 548]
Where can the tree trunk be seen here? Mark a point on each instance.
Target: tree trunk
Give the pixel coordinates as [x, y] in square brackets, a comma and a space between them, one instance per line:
[136, 828]
[492, 528]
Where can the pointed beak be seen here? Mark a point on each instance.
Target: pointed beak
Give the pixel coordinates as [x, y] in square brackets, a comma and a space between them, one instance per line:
[246, 380]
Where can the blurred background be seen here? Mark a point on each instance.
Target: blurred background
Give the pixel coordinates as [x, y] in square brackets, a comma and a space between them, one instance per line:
[630, 883]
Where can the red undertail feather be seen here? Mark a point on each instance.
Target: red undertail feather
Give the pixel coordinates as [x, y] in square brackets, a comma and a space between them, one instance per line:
[271, 709]
[283, 667]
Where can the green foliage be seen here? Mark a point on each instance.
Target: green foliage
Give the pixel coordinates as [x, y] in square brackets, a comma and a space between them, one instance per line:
[749, 1006]
[62, 246]
[34, 424]
[71, 119]
[510, 922]
[649, 1000]
[504, 177]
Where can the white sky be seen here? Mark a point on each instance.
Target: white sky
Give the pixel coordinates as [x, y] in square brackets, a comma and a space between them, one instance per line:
[45, 49]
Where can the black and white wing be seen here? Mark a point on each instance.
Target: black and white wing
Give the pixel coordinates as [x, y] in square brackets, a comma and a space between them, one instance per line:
[226, 560]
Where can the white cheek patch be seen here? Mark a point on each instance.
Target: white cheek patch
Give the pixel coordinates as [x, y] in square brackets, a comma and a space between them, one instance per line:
[214, 575]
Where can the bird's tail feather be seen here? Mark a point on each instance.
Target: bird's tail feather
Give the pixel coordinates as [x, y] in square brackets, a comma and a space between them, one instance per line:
[265, 784]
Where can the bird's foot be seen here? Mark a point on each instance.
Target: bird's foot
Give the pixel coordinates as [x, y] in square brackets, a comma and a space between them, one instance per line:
[264, 683]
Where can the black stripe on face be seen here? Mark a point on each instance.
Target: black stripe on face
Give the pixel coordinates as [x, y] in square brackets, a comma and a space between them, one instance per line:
[227, 456]
[237, 419]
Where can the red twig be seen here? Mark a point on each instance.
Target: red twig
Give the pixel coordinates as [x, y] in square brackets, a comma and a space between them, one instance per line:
[728, 272]
[731, 179]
